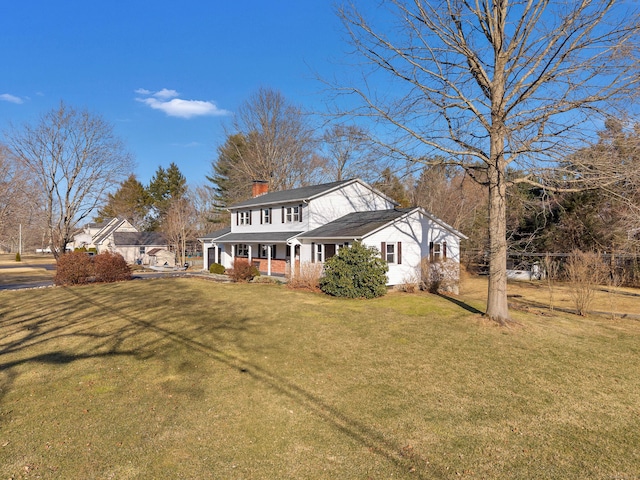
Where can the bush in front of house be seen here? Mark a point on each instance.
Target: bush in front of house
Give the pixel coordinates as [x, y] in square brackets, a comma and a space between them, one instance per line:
[73, 268]
[18, 258]
[242, 271]
[441, 276]
[216, 268]
[355, 272]
[306, 277]
[111, 267]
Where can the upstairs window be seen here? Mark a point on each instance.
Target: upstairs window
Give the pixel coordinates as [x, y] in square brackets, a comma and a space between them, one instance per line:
[292, 214]
[244, 218]
[265, 215]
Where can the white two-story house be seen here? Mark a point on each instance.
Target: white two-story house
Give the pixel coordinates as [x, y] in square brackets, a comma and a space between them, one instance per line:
[279, 231]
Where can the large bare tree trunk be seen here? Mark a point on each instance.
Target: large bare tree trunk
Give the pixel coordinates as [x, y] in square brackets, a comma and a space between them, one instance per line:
[497, 306]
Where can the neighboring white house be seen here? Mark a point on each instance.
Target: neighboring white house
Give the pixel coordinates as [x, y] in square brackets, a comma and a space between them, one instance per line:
[280, 230]
[118, 235]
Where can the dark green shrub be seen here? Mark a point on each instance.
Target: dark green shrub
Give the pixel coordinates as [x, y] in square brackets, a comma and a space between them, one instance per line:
[80, 249]
[73, 268]
[356, 272]
[18, 258]
[242, 271]
[111, 267]
[216, 268]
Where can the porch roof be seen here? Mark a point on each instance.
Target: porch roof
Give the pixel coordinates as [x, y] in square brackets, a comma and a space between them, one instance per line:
[260, 237]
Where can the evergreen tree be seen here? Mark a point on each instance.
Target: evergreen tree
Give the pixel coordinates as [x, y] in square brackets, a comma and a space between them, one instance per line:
[130, 201]
[164, 187]
[392, 187]
[230, 185]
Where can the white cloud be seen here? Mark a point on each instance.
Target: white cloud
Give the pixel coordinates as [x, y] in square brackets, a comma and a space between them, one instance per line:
[6, 97]
[165, 93]
[165, 100]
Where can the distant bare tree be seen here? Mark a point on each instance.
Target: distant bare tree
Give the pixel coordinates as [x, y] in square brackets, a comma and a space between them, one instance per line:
[74, 159]
[350, 153]
[12, 185]
[209, 215]
[495, 85]
[279, 142]
[179, 224]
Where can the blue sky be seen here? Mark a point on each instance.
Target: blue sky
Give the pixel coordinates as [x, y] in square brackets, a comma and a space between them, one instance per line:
[167, 75]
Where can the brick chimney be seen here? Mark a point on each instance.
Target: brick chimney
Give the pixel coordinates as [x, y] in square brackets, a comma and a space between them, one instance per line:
[260, 187]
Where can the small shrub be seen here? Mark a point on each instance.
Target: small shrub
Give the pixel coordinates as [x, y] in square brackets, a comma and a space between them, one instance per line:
[355, 272]
[410, 283]
[584, 271]
[18, 258]
[216, 268]
[243, 271]
[111, 267]
[73, 268]
[307, 277]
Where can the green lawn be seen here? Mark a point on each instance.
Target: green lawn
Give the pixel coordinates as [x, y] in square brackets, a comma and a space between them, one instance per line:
[186, 378]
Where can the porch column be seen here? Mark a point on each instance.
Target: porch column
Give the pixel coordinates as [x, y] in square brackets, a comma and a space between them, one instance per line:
[269, 260]
[233, 254]
[249, 253]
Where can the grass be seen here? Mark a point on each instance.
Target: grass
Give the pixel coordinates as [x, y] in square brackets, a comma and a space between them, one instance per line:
[31, 269]
[185, 378]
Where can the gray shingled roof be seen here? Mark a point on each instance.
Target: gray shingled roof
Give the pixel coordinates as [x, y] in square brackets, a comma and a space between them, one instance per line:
[357, 224]
[262, 237]
[216, 234]
[139, 238]
[294, 195]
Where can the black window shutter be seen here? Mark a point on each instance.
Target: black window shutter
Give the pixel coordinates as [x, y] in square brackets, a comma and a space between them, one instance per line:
[270, 215]
[249, 214]
[431, 251]
[237, 218]
[313, 252]
[300, 213]
[282, 214]
[273, 251]
[444, 250]
[399, 253]
[383, 251]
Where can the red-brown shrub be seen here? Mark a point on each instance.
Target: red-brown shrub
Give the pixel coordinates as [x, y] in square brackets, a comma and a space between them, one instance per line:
[73, 268]
[111, 267]
[242, 271]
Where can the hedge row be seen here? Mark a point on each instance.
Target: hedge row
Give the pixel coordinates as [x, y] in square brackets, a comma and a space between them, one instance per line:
[77, 268]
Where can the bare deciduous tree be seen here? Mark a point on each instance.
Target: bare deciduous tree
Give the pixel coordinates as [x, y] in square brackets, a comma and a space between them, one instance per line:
[12, 183]
[350, 154]
[280, 144]
[179, 224]
[493, 84]
[73, 158]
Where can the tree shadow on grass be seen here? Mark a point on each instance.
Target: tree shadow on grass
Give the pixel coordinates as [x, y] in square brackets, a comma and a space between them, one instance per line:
[461, 304]
[157, 332]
